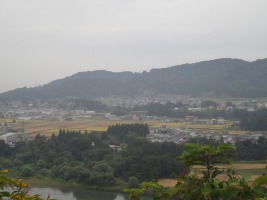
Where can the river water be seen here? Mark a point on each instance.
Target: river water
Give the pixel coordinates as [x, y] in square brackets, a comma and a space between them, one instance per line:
[66, 194]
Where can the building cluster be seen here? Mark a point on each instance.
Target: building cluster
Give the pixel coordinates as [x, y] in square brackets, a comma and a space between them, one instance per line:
[191, 104]
[180, 135]
[41, 110]
[11, 136]
[131, 102]
[55, 110]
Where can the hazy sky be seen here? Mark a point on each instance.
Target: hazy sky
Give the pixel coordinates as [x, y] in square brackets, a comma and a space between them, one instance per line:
[44, 40]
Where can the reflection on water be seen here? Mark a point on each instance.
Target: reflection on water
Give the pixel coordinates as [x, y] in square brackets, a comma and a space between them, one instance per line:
[63, 194]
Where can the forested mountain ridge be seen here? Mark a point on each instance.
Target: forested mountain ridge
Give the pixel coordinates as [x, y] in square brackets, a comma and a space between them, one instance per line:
[218, 78]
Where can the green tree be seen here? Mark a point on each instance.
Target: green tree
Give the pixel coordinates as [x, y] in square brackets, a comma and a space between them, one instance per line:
[207, 156]
[133, 182]
[208, 186]
[102, 174]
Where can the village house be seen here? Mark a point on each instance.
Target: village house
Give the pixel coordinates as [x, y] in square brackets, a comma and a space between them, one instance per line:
[9, 138]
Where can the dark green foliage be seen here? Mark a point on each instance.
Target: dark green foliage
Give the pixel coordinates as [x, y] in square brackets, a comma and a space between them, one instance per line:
[161, 110]
[149, 161]
[208, 186]
[221, 77]
[208, 156]
[120, 131]
[103, 174]
[248, 150]
[88, 159]
[255, 121]
[245, 150]
[27, 171]
[5, 150]
[208, 103]
[168, 110]
[133, 182]
[81, 104]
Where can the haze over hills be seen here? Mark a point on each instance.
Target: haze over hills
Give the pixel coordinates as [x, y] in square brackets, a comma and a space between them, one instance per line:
[217, 78]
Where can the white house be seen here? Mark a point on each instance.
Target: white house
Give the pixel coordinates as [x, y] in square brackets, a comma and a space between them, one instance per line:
[9, 138]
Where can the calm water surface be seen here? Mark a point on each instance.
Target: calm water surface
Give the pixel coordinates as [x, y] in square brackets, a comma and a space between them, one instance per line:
[65, 194]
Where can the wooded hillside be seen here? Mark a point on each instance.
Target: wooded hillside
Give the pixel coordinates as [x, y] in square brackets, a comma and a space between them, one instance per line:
[215, 78]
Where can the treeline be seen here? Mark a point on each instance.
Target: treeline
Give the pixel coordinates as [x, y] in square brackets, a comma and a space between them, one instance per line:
[245, 150]
[90, 159]
[248, 150]
[120, 131]
[255, 121]
[250, 121]
[82, 104]
[169, 110]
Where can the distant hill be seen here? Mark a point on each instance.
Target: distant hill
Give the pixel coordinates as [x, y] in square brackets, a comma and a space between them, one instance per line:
[218, 78]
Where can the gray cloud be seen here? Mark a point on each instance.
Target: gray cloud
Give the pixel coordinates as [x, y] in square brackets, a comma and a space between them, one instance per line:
[45, 40]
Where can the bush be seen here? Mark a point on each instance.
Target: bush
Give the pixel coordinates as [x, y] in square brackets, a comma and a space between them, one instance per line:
[133, 182]
[19, 189]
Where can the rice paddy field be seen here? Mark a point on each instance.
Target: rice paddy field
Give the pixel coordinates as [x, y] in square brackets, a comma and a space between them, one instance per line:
[48, 127]
[97, 123]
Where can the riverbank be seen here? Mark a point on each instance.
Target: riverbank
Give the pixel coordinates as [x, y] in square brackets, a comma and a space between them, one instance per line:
[56, 183]
[71, 191]
[73, 194]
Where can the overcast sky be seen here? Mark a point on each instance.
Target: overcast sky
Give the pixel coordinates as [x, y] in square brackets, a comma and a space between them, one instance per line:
[44, 40]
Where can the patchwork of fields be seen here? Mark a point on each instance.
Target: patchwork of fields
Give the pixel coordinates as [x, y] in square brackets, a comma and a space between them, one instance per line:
[48, 127]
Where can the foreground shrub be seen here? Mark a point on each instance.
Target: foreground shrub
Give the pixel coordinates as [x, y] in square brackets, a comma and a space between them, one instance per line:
[19, 189]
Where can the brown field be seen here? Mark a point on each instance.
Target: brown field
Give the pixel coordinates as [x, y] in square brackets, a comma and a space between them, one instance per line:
[242, 166]
[96, 123]
[237, 132]
[48, 127]
[238, 166]
[167, 182]
[252, 168]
